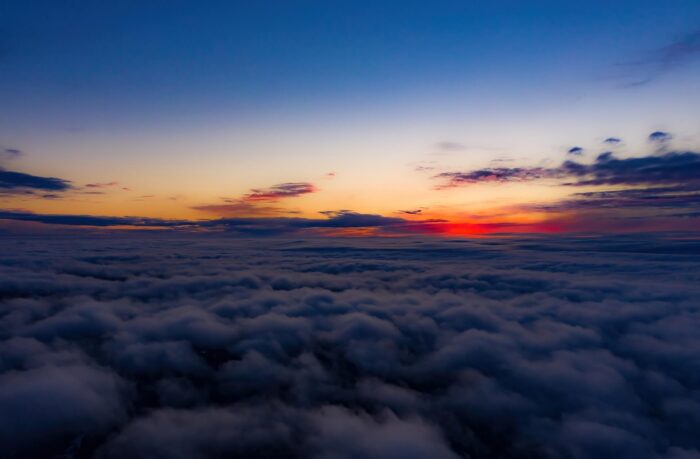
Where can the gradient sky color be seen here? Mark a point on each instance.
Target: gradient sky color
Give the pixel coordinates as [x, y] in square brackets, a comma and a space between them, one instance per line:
[182, 109]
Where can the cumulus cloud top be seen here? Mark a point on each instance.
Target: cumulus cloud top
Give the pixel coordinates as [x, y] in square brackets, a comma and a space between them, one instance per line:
[337, 348]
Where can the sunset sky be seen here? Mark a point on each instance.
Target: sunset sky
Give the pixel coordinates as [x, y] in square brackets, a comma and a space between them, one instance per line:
[350, 117]
[342, 229]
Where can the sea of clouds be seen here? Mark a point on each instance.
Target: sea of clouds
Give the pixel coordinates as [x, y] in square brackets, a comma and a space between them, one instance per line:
[200, 347]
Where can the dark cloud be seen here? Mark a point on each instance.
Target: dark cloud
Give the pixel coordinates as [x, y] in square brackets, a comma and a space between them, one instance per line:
[664, 185]
[237, 207]
[577, 151]
[277, 192]
[87, 220]
[411, 212]
[101, 184]
[11, 180]
[607, 169]
[261, 226]
[659, 137]
[336, 220]
[657, 199]
[258, 202]
[349, 219]
[210, 346]
[11, 153]
[496, 174]
[612, 140]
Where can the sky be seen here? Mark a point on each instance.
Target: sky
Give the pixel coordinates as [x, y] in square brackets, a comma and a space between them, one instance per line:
[350, 117]
[340, 229]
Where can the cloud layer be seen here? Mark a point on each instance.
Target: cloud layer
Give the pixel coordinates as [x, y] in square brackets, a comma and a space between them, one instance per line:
[656, 191]
[199, 347]
[332, 222]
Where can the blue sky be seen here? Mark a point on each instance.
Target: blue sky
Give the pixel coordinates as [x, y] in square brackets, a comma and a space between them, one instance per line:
[149, 61]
